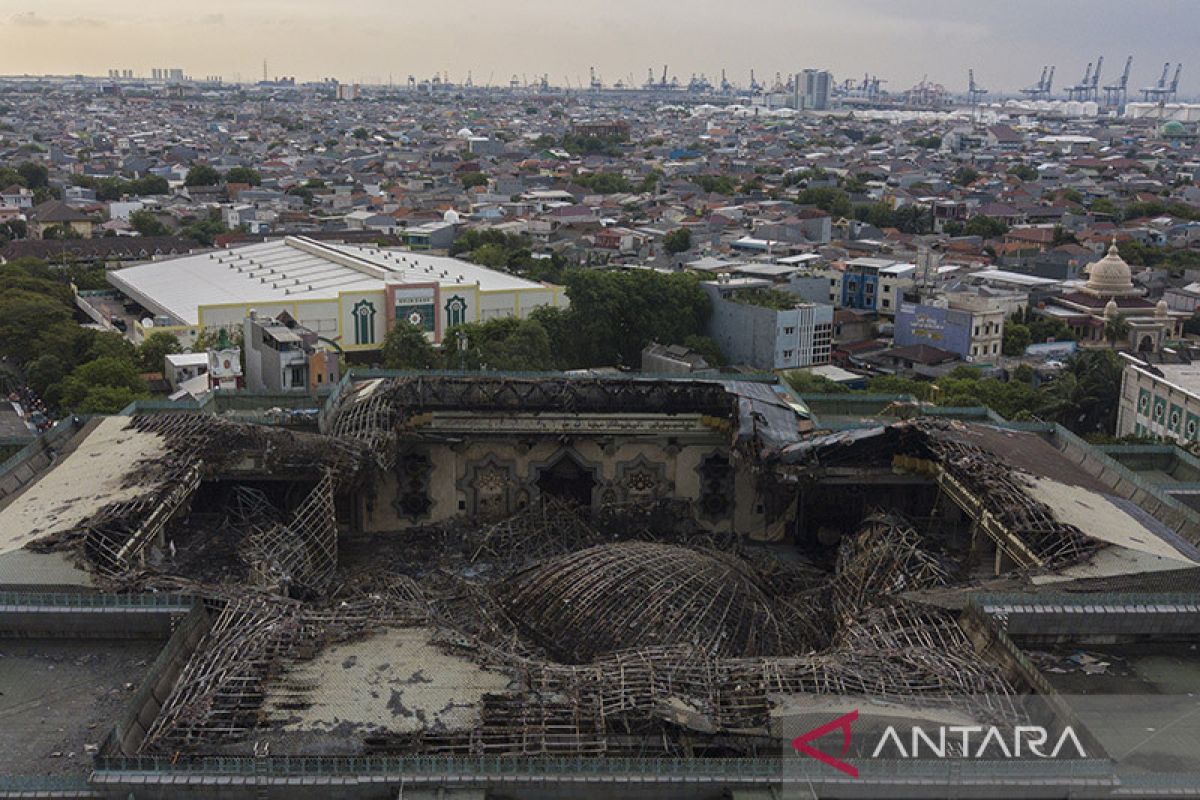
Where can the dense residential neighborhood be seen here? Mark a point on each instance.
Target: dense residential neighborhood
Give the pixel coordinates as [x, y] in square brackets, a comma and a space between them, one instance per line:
[862, 243]
[425, 439]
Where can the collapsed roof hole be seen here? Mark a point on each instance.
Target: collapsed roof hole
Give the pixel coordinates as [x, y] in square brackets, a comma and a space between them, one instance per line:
[567, 479]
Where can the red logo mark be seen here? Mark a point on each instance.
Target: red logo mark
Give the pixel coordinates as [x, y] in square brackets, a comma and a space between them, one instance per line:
[801, 743]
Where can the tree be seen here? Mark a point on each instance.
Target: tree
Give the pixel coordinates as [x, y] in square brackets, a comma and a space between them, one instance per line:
[1116, 329]
[953, 228]
[1062, 236]
[1024, 172]
[508, 344]
[1016, 339]
[243, 175]
[107, 399]
[1191, 325]
[108, 344]
[678, 241]
[490, 255]
[473, 179]
[1084, 398]
[827, 198]
[605, 182]
[34, 175]
[1047, 329]
[706, 347]
[103, 372]
[986, 227]
[202, 175]
[361, 134]
[205, 231]
[145, 223]
[613, 315]
[965, 176]
[1104, 206]
[60, 232]
[150, 184]
[155, 348]
[714, 184]
[405, 347]
[24, 316]
[45, 371]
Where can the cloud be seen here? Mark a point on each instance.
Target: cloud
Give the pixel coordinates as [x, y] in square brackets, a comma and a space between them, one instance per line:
[29, 19]
[83, 22]
[213, 19]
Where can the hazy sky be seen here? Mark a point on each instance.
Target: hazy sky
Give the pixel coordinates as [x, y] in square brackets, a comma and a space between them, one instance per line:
[1006, 41]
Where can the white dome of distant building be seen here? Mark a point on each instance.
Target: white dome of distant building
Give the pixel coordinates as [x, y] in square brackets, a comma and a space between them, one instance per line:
[464, 133]
[451, 217]
[1161, 309]
[1111, 310]
[1111, 276]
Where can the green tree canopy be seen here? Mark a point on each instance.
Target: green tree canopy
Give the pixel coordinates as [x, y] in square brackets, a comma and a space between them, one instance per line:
[678, 241]
[986, 227]
[103, 372]
[24, 317]
[202, 175]
[243, 175]
[107, 399]
[147, 224]
[1016, 339]
[509, 344]
[473, 179]
[34, 175]
[405, 347]
[155, 348]
[965, 176]
[614, 314]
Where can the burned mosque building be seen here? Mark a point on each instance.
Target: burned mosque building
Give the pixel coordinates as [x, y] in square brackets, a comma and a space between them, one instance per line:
[481, 585]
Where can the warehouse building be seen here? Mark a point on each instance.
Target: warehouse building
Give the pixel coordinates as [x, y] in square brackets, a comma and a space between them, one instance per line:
[350, 294]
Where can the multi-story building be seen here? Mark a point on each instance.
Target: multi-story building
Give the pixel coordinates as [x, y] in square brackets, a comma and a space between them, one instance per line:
[768, 329]
[1160, 396]
[812, 89]
[283, 357]
[973, 333]
[894, 280]
[860, 283]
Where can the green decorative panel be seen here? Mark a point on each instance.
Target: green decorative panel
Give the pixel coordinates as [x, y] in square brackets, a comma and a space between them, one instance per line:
[1175, 419]
[418, 314]
[364, 322]
[1160, 410]
[1143, 403]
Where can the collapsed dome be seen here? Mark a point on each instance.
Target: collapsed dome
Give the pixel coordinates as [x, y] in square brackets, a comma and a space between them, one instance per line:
[629, 595]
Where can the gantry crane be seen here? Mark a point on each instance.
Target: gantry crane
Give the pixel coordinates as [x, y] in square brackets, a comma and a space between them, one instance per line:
[1115, 93]
[1043, 88]
[974, 91]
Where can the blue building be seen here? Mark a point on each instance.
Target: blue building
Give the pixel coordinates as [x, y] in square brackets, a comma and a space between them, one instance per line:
[972, 334]
[860, 283]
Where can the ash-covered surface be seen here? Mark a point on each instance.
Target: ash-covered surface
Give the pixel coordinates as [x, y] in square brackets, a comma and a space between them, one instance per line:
[57, 697]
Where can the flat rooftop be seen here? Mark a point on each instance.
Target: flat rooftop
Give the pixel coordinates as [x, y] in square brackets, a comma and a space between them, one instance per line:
[291, 269]
[60, 695]
[1185, 376]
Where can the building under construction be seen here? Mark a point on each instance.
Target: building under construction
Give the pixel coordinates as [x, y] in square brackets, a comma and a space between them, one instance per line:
[504, 586]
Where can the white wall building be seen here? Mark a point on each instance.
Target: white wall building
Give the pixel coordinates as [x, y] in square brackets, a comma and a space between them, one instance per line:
[346, 293]
[1159, 399]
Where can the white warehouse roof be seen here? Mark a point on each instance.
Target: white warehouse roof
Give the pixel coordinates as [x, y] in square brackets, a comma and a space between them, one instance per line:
[289, 269]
